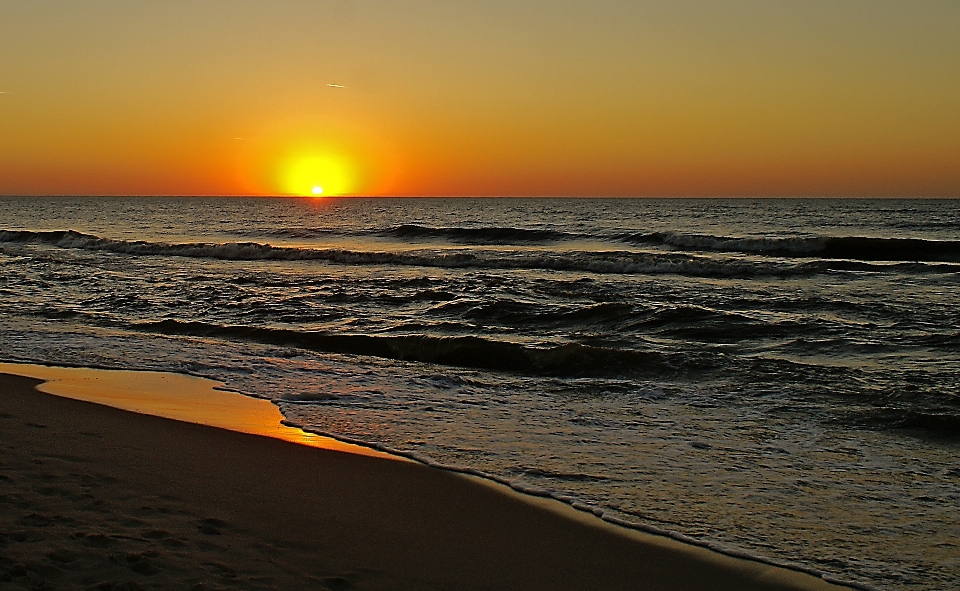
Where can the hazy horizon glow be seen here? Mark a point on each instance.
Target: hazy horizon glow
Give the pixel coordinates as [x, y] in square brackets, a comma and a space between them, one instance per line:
[745, 97]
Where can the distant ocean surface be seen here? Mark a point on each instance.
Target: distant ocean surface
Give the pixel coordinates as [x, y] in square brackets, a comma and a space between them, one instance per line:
[779, 378]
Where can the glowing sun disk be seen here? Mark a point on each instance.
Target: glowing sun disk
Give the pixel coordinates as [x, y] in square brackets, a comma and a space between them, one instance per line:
[317, 174]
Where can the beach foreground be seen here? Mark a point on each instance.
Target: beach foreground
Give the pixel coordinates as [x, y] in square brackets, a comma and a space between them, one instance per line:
[95, 497]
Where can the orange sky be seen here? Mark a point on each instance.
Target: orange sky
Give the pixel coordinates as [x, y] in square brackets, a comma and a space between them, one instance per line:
[808, 97]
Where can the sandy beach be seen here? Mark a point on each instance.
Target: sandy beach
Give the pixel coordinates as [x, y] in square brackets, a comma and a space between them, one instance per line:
[92, 497]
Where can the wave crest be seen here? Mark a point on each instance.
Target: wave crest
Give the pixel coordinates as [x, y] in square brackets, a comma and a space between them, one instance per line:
[601, 262]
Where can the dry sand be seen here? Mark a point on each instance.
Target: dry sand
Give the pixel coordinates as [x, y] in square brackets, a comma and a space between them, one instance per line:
[92, 497]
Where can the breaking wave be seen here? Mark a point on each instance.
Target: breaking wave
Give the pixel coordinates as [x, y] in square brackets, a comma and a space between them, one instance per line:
[856, 248]
[570, 359]
[602, 262]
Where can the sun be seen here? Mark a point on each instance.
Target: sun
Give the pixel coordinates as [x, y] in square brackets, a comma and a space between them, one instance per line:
[317, 174]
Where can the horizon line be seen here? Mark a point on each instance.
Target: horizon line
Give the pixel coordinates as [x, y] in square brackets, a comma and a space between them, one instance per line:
[328, 197]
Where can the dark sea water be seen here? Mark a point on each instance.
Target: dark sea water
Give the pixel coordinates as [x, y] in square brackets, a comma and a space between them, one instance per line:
[773, 377]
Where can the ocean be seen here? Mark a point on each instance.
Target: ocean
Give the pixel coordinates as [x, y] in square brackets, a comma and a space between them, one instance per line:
[767, 377]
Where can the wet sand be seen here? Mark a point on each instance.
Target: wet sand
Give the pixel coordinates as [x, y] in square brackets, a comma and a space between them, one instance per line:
[93, 497]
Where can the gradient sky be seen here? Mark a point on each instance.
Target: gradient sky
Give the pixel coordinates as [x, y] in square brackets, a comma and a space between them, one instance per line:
[686, 97]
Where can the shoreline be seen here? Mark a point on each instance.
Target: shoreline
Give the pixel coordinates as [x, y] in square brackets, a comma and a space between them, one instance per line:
[444, 529]
[180, 397]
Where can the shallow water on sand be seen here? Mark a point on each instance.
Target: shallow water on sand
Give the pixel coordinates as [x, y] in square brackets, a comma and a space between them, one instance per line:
[773, 376]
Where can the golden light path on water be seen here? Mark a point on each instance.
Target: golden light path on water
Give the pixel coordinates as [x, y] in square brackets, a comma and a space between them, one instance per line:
[175, 396]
